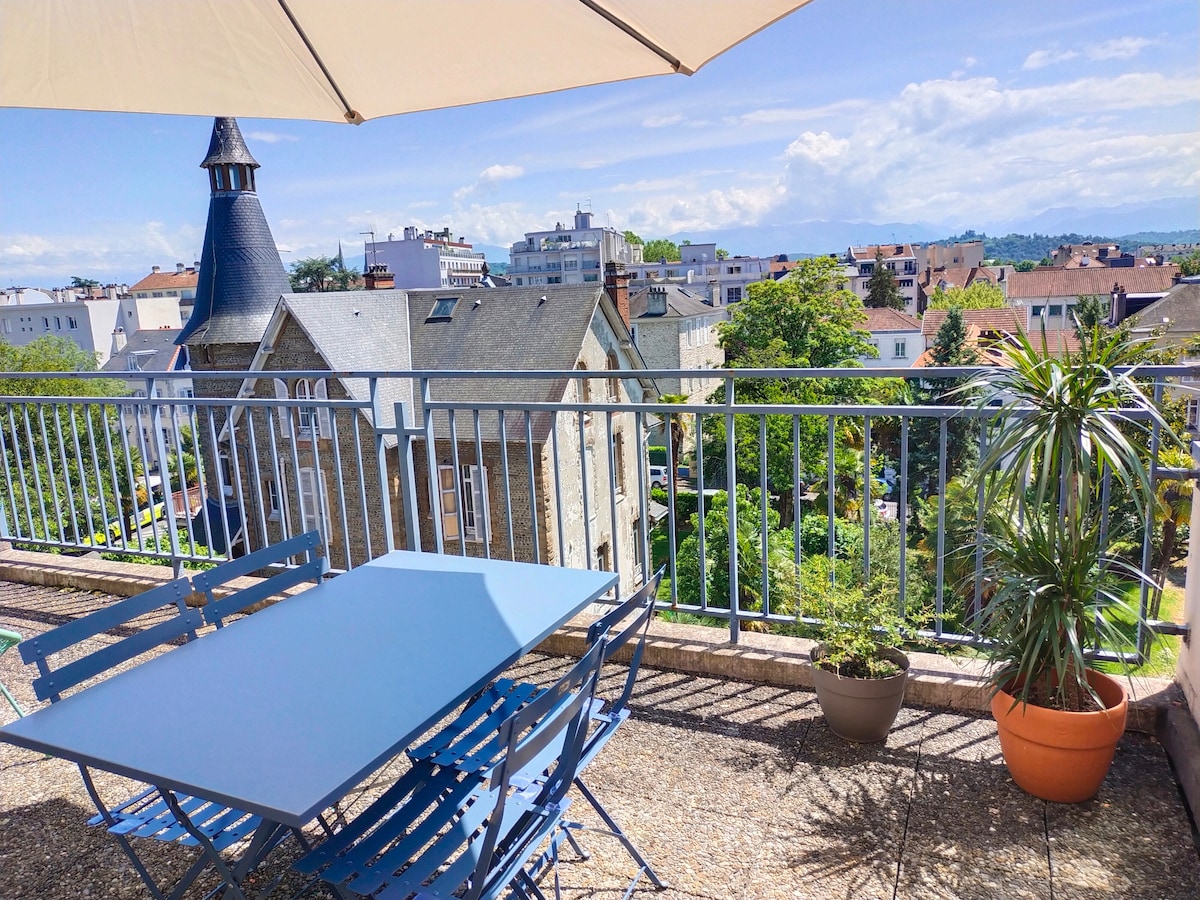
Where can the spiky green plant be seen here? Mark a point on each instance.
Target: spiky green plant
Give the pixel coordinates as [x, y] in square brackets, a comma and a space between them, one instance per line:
[1052, 582]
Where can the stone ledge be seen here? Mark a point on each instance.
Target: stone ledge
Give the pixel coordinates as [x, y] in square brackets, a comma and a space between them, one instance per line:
[943, 682]
[936, 681]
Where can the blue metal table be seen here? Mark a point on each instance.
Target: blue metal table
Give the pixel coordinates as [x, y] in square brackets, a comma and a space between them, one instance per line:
[284, 711]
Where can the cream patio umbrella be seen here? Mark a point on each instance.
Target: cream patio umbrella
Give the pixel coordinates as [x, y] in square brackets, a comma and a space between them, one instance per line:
[348, 60]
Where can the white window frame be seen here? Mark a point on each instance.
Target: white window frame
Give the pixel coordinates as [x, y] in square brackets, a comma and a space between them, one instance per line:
[314, 509]
[274, 500]
[900, 349]
[476, 527]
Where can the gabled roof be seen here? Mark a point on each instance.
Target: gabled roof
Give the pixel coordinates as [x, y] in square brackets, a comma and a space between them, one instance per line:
[531, 328]
[1044, 283]
[168, 281]
[154, 347]
[890, 320]
[1181, 305]
[681, 303]
[1006, 320]
[353, 331]
[955, 277]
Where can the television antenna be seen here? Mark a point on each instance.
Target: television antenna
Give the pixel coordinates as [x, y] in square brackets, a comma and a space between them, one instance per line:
[374, 250]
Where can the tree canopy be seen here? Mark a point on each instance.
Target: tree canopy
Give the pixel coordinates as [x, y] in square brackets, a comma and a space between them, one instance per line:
[660, 248]
[882, 290]
[631, 238]
[322, 273]
[1188, 265]
[806, 320]
[977, 295]
[83, 283]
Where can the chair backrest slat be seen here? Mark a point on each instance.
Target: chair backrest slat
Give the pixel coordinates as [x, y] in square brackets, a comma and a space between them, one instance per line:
[623, 623]
[40, 648]
[547, 732]
[313, 569]
[215, 611]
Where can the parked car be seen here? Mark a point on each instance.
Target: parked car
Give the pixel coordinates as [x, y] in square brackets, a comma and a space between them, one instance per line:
[658, 477]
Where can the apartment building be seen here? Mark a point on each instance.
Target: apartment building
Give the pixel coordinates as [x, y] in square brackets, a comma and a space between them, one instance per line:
[426, 259]
[899, 259]
[568, 255]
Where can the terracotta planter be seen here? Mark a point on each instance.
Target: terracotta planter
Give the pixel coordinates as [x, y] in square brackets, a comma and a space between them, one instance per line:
[1061, 756]
[861, 710]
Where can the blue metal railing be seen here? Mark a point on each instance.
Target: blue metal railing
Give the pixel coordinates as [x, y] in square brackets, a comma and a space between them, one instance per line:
[564, 482]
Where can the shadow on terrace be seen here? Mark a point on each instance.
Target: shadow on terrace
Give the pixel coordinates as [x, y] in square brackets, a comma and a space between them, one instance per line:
[733, 790]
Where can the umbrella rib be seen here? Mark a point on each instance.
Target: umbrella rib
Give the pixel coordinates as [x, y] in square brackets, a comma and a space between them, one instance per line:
[352, 115]
[673, 61]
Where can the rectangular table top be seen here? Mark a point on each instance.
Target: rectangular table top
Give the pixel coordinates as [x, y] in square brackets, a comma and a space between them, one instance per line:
[282, 712]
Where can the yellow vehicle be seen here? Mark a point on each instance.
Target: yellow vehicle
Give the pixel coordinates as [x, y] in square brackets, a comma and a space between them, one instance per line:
[138, 519]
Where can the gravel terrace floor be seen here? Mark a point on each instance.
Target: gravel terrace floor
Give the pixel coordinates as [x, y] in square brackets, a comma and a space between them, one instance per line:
[732, 790]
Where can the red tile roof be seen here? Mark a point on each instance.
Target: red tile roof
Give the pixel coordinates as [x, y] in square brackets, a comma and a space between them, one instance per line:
[890, 320]
[1044, 283]
[890, 251]
[168, 281]
[997, 321]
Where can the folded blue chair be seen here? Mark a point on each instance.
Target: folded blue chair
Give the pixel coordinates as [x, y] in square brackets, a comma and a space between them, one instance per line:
[468, 742]
[149, 814]
[442, 832]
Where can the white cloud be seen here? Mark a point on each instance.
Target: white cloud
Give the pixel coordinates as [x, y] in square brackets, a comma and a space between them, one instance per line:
[501, 173]
[1039, 59]
[661, 121]
[271, 137]
[1118, 48]
[112, 253]
[488, 178]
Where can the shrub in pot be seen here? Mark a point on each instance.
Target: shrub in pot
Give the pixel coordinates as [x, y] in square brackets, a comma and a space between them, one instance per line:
[858, 671]
[1054, 585]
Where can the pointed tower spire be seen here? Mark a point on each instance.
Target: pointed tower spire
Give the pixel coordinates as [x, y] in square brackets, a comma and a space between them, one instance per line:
[341, 260]
[241, 276]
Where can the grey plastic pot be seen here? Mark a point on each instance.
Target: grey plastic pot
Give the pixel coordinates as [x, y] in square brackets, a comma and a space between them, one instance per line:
[860, 709]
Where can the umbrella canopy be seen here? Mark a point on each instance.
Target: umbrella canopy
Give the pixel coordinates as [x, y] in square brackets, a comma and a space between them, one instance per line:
[349, 60]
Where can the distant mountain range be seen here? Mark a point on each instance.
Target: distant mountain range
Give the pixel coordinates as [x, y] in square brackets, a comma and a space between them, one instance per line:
[1177, 216]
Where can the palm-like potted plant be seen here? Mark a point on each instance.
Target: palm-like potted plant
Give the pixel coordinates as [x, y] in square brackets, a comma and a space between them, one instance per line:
[859, 672]
[1054, 584]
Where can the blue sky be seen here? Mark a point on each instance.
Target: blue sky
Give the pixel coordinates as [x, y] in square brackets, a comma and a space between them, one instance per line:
[963, 114]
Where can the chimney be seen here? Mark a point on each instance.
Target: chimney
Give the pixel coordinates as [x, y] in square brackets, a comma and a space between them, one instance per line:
[1117, 314]
[656, 301]
[178, 268]
[154, 270]
[378, 278]
[616, 283]
[119, 339]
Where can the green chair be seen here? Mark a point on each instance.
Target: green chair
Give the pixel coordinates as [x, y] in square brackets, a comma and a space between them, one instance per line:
[9, 639]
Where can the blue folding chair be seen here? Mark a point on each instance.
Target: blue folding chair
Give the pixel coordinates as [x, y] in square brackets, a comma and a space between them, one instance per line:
[313, 568]
[9, 639]
[442, 832]
[147, 814]
[188, 820]
[468, 742]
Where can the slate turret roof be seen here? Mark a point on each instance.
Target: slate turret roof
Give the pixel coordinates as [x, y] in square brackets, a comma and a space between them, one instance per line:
[241, 276]
[227, 145]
